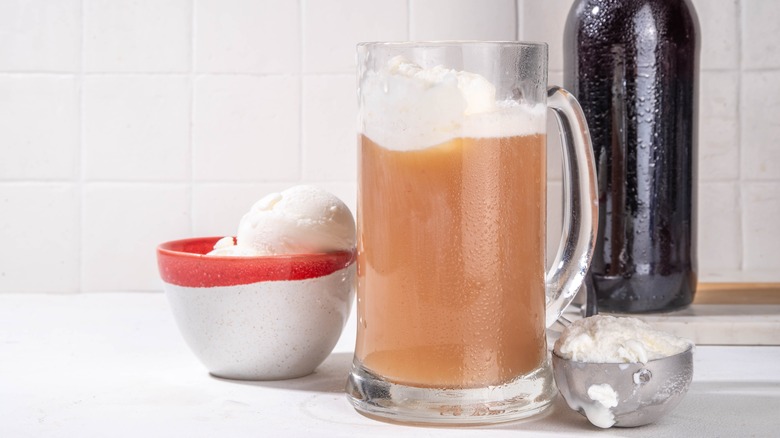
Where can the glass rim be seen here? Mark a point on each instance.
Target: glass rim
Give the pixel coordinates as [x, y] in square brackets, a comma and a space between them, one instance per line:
[451, 43]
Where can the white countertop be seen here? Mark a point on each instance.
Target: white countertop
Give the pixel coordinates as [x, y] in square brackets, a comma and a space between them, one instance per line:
[114, 365]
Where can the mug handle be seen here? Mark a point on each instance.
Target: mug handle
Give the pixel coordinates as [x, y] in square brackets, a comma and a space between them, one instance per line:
[580, 205]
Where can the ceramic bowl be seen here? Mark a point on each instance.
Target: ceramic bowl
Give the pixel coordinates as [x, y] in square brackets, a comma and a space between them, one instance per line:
[257, 318]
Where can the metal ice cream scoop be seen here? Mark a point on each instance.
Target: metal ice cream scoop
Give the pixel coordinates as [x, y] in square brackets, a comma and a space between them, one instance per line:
[624, 394]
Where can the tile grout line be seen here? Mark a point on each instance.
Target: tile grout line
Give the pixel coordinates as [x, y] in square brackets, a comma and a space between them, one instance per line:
[518, 31]
[82, 153]
[301, 130]
[408, 20]
[183, 182]
[184, 73]
[191, 130]
[740, 121]
[285, 74]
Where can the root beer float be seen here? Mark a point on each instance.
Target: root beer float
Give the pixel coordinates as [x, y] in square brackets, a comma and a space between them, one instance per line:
[453, 297]
[451, 229]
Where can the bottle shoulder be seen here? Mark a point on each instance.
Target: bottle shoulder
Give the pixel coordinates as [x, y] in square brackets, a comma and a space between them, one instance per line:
[616, 20]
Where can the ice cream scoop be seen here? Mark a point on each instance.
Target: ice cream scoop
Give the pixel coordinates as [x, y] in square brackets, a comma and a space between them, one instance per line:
[624, 394]
[620, 371]
[303, 219]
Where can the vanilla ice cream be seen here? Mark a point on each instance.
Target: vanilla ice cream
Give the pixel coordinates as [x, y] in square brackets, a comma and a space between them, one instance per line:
[300, 220]
[408, 107]
[607, 339]
[599, 412]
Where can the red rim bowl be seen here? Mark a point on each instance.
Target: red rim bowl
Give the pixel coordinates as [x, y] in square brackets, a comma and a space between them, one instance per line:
[185, 263]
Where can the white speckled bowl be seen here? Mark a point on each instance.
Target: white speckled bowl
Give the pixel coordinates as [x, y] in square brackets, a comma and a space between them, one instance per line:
[257, 318]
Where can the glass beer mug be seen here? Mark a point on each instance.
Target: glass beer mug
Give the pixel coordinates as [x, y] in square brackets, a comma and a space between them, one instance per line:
[453, 297]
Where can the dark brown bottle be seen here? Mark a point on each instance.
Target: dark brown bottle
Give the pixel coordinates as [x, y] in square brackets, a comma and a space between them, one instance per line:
[633, 66]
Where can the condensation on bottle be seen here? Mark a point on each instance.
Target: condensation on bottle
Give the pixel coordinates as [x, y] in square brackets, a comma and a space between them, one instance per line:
[633, 66]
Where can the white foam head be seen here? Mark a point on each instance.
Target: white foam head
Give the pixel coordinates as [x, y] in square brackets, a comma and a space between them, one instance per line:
[407, 107]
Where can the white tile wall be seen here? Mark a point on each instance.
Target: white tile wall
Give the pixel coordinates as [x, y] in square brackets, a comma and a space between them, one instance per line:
[329, 123]
[39, 228]
[719, 247]
[761, 209]
[331, 28]
[246, 128]
[136, 128]
[40, 35]
[520, 9]
[122, 225]
[719, 125]
[544, 21]
[137, 36]
[436, 20]
[761, 130]
[760, 27]
[39, 127]
[218, 207]
[123, 124]
[248, 37]
[719, 33]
